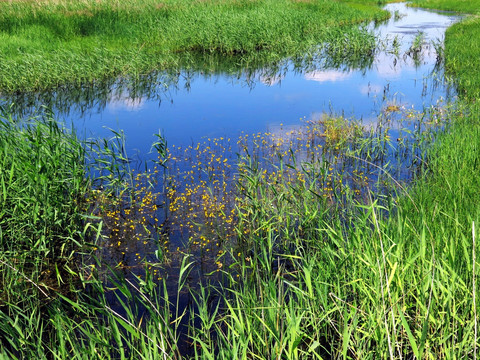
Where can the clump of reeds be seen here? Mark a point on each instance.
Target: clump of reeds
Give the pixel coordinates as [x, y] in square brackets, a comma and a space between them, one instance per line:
[43, 185]
[327, 256]
[373, 280]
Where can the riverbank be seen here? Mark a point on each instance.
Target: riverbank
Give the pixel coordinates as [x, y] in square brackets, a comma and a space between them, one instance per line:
[462, 50]
[46, 44]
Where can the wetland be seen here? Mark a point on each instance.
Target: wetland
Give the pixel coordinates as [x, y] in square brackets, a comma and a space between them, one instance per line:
[272, 198]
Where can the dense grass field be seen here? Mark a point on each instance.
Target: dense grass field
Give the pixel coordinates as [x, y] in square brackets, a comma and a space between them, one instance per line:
[463, 54]
[48, 43]
[327, 256]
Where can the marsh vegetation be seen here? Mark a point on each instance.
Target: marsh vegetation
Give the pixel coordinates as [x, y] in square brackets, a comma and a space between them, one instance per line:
[46, 44]
[333, 238]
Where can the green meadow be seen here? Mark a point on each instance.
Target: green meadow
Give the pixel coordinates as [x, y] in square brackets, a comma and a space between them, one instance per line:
[49, 43]
[321, 252]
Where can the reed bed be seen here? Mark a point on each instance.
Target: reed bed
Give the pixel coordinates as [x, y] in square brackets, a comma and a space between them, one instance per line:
[45, 44]
[43, 187]
[245, 215]
[43, 222]
[324, 256]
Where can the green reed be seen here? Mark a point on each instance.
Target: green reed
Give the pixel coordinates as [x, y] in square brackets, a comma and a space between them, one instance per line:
[372, 280]
[45, 44]
[47, 232]
[43, 222]
[397, 281]
[327, 257]
[43, 185]
[330, 256]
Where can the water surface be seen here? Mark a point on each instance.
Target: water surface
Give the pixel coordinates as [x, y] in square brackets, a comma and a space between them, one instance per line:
[188, 107]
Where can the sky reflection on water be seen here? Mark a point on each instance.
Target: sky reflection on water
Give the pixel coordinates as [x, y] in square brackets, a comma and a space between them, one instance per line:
[190, 107]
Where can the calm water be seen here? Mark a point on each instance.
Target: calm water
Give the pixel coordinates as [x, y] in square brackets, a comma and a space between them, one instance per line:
[188, 107]
[193, 107]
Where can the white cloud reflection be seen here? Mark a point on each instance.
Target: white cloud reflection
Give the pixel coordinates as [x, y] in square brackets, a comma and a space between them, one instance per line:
[327, 75]
[126, 104]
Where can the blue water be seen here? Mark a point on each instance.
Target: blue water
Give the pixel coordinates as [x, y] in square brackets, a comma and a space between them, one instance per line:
[197, 106]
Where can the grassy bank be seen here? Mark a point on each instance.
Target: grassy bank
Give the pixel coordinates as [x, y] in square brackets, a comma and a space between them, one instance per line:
[462, 50]
[460, 6]
[47, 43]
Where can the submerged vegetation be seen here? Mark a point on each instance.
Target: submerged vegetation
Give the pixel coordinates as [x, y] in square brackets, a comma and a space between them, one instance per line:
[332, 239]
[270, 223]
[48, 43]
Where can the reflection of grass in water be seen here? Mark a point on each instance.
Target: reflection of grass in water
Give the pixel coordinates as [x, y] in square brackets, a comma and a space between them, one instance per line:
[462, 48]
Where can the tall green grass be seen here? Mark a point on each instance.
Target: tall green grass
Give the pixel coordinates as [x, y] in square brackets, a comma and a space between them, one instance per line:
[375, 276]
[43, 185]
[363, 281]
[53, 303]
[462, 52]
[395, 281]
[345, 275]
[449, 5]
[44, 44]
[42, 189]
